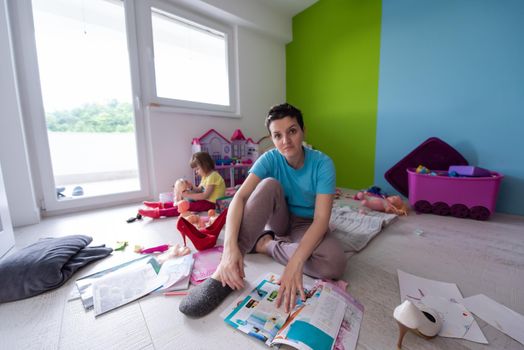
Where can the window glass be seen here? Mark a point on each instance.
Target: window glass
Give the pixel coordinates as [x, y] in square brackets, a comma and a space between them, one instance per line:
[86, 90]
[190, 60]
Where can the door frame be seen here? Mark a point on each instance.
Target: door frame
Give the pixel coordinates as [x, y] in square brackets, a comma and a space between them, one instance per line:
[33, 110]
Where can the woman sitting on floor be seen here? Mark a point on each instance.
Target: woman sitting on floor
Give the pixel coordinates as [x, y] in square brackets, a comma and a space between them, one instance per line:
[282, 209]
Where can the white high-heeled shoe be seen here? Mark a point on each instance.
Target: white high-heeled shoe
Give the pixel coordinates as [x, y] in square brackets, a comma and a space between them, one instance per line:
[422, 321]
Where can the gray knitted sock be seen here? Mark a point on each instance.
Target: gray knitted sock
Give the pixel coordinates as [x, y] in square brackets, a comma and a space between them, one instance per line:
[204, 298]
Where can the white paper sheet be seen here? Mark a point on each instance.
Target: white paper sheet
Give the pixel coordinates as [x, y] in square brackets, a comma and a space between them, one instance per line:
[176, 272]
[499, 316]
[446, 299]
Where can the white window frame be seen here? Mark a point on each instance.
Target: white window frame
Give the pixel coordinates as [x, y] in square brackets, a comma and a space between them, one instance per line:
[147, 64]
[31, 97]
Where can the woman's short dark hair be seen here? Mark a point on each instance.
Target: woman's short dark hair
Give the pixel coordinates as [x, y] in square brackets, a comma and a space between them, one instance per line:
[203, 160]
[284, 110]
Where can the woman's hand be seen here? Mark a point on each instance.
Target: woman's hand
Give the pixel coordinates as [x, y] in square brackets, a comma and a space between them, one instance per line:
[291, 285]
[230, 271]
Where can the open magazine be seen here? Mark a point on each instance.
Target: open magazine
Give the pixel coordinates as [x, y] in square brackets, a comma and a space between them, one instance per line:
[329, 318]
[121, 284]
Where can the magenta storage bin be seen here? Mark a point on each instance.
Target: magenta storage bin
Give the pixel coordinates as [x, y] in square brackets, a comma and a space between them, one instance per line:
[473, 197]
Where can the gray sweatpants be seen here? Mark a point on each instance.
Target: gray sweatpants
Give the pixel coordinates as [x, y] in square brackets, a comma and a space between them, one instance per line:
[266, 210]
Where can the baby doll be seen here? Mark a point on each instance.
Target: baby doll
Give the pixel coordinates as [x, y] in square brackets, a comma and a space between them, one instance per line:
[212, 215]
[197, 220]
[183, 209]
[179, 188]
[391, 204]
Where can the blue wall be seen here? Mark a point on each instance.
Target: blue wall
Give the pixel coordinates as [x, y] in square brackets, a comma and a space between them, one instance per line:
[454, 70]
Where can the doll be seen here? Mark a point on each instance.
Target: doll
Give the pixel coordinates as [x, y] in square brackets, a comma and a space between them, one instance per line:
[197, 220]
[212, 215]
[390, 204]
[183, 209]
[180, 187]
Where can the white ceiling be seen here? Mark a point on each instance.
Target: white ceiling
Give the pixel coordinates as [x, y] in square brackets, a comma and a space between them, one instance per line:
[289, 7]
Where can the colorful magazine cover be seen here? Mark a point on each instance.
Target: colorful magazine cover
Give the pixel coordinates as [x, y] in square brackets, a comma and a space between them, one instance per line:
[329, 318]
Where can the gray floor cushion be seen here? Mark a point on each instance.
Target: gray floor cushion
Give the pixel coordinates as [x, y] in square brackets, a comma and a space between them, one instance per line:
[45, 265]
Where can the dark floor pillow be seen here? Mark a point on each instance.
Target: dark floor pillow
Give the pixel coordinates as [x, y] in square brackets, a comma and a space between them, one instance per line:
[433, 153]
[45, 265]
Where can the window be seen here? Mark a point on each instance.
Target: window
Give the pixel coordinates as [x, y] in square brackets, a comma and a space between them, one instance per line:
[79, 89]
[191, 61]
[87, 69]
[78, 46]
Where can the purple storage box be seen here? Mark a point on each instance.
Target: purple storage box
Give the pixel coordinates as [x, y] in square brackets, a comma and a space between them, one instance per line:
[432, 153]
[469, 170]
[473, 197]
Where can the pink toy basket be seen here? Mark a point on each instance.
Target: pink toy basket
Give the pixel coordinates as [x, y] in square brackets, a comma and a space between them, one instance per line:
[462, 197]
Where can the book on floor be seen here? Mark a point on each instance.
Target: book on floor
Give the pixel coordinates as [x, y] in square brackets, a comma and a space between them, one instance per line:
[329, 318]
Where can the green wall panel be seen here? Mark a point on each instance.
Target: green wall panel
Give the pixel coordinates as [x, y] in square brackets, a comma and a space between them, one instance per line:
[332, 76]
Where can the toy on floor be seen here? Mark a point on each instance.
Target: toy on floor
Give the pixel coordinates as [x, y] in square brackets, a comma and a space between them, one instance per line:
[377, 191]
[203, 238]
[158, 249]
[174, 252]
[120, 245]
[134, 218]
[390, 204]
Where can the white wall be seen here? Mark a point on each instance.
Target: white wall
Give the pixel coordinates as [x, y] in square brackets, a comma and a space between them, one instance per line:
[261, 85]
[13, 154]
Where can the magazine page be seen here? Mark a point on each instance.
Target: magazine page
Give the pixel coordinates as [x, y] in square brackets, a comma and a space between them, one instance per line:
[256, 314]
[125, 285]
[316, 323]
[176, 271]
[329, 318]
[347, 336]
[85, 284]
[206, 262]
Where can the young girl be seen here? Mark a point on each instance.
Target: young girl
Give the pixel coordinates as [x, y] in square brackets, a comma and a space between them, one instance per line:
[201, 198]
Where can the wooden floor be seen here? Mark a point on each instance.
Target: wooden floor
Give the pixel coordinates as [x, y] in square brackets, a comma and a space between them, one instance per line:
[480, 257]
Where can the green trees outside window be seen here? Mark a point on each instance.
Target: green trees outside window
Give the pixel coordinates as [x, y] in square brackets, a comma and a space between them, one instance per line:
[114, 116]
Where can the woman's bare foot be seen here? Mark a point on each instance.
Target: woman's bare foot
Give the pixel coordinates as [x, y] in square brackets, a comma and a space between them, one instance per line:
[261, 246]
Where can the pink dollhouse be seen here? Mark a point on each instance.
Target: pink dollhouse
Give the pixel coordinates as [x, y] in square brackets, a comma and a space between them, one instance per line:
[212, 142]
[233, 157]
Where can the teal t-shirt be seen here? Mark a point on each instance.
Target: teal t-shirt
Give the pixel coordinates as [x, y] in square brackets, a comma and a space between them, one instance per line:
[301, 186]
